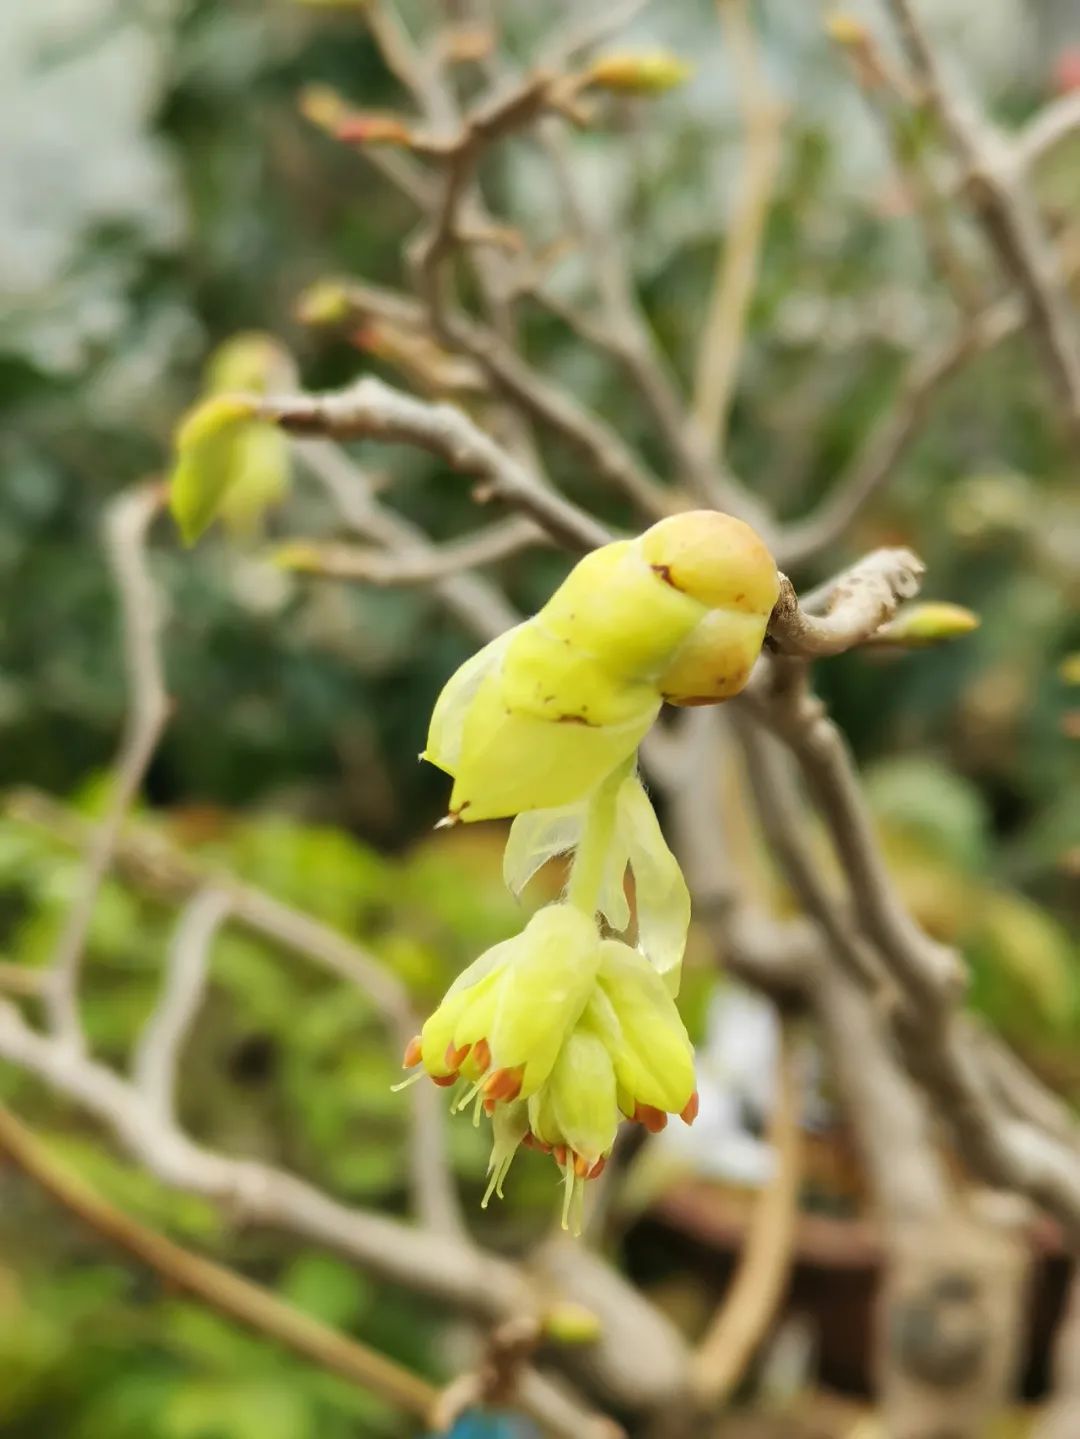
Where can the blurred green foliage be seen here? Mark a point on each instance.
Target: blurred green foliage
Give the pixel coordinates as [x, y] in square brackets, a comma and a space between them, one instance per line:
[193, 203]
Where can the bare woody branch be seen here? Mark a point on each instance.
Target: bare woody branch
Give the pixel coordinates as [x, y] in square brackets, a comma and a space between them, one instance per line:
[1004, 1149]
[512, 378]
[858, 602]
[624, 333]
[489, 1287]
[126, 524]
[899, 426]
[373, 410]
[757, 1289]
[1054, 123]
[149, 861]
[736, 273]
[158, 1052]
[259, 1193]
[480, 606]
[1008, 216]
[222, 1289]
[376, 567]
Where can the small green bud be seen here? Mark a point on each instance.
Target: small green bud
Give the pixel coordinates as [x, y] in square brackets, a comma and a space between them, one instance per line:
[326, 302]
[927, 624]
[569, 1323]
[650, 72]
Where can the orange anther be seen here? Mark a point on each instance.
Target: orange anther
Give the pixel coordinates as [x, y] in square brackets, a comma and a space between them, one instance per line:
[560, 1155]
[481, 1055]
[454, 1058]
[581, 1166]
[653, 1119]
[444, 1081]
[504, 1084]
[598, 1168]
[690, 1113]
[412, 1053]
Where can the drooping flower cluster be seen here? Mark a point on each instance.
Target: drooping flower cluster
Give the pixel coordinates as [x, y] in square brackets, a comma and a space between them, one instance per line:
[564, 1030]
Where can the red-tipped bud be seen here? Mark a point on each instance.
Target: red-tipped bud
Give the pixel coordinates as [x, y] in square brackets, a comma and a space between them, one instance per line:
[1066, 72]
[412, 1053]
[363, 129]
[690, 1112]
[364, 337]
[653, 1119]
[455, 1058]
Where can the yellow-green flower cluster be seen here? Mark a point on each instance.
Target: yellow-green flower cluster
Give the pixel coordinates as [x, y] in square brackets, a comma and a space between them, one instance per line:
[563, 1031]
[540, 715]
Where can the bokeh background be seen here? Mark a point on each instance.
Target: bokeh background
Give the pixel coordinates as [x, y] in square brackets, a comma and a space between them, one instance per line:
[159, 191]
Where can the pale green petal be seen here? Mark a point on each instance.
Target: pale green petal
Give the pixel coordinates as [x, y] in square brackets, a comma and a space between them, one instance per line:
[582, 1087]
[511, 762]
[654, 1059]
[537, 836]
[663, 900]
[544, 992]
[613, 904]
[459, 1006]
[447, 726]
[260, 478]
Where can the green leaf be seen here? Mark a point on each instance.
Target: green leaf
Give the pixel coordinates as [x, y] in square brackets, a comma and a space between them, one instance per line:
[327, 1287]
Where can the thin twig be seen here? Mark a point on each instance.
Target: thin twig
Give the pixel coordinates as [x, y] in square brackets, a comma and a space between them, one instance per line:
[1058, 121]
[479, 605]
[158, 1052]
[372, 410]
[222, 1289]
[449, 1269]
[126, 524]
[1004, 1148]
[751, 1303]
[736, 273]
[860, 600]
[150, 861]
[376, 567]
[1006, 212]
[512, 378]
[891, 437]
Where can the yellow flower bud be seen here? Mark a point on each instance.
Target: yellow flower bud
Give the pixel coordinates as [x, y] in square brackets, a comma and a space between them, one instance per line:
[206, 449]
[649, 73]
[617, 612]
[504, 756]
[543, 714]
[723, 564]
[230, 466]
